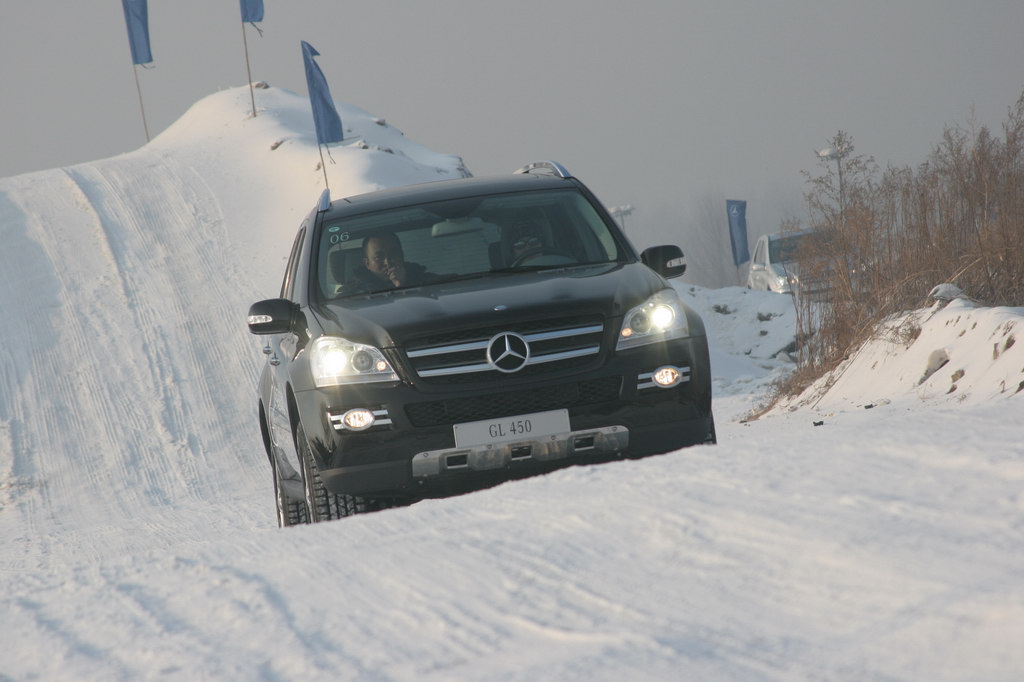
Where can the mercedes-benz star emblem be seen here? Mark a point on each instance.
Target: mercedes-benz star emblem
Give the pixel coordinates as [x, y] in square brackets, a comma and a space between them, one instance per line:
[508, 352]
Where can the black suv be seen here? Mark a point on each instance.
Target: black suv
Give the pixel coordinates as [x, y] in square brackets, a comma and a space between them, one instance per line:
[442, 337]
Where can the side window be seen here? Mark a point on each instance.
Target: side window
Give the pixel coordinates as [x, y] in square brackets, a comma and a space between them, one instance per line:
[293, 264]
[759, 252]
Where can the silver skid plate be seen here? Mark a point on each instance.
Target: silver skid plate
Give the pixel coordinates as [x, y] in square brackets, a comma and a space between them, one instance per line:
[606, 440]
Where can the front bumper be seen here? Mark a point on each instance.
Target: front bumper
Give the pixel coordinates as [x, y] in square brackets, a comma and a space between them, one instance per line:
[613, 409]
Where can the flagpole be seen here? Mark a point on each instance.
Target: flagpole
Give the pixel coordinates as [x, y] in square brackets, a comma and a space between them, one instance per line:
[135, 70]
[323, 165]
[248, 71]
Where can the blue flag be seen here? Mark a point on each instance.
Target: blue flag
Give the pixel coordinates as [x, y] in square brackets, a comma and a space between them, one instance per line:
[252, 11]
[136, 16]
[737, 211]
[325, 116]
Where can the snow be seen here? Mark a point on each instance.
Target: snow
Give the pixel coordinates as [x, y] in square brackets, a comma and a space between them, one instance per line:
[952, 353]
[136, 512]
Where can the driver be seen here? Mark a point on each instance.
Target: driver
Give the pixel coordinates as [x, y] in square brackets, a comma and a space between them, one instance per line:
[385, 267]
[524, 236]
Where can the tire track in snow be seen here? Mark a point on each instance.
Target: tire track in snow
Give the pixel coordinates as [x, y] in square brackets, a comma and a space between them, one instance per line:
[127, 424]
[120, 218]
[235, 600]
[61, 447]
[169, 262]
[65, 644]
[22, 264]
[123, 273]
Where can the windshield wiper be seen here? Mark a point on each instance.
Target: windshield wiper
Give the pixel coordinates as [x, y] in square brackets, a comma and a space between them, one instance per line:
[472, 275]
[522, 268]
[537, 268]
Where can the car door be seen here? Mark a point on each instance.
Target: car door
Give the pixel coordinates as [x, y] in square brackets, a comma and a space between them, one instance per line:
[282, 347]
[758, 265]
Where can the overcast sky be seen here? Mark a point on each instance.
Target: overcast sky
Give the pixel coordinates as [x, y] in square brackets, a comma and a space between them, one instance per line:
[665, 105]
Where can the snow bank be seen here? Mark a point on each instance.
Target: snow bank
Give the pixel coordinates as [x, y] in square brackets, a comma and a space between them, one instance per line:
[958, 353]
[751, 338]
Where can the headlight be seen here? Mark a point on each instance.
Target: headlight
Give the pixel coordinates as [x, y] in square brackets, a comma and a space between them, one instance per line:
[336, 361]
[659, 318]
[784, 279]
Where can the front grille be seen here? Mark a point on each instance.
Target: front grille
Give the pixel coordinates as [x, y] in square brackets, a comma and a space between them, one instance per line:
[475, 334]
[461, 357]
[459, 410]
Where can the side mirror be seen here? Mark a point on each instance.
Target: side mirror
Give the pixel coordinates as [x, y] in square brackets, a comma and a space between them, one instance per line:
[667, 261]
[272, 316]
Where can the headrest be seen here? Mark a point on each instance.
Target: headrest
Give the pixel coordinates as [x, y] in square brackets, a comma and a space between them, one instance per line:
[338, 261]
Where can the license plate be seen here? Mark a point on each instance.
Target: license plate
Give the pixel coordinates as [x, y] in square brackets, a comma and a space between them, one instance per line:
[508, 429]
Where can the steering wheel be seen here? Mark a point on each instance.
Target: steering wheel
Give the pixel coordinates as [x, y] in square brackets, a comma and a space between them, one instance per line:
[541, 251]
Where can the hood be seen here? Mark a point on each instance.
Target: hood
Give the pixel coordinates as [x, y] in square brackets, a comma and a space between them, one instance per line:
[391, 318]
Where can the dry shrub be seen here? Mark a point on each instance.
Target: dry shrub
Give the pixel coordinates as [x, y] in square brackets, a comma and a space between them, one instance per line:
[886, 238]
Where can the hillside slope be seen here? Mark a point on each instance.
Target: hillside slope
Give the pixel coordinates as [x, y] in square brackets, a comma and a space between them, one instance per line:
[129, 375]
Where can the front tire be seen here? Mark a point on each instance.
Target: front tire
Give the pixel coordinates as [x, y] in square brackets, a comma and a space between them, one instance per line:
[324, 505]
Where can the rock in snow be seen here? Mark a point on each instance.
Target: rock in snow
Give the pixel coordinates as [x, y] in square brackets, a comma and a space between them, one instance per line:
[946, 292]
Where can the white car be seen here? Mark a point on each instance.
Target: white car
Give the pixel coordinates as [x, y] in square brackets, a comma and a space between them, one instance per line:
[773, 266]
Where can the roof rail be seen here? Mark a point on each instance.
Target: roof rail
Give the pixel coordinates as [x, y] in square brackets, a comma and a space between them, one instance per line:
[553, 166]
[325, 201]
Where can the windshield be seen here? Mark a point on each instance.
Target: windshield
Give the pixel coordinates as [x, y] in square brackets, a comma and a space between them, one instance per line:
[459, 239]
[785, 249]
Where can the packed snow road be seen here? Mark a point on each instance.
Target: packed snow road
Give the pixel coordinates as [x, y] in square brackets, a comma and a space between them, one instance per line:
[827, 559]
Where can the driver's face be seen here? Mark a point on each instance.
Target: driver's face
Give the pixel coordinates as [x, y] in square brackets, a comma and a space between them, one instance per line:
[383, 255]
[525, 243]
[384, 258]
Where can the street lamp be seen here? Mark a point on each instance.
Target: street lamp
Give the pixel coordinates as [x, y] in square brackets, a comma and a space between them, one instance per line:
[833, 154]
[620, 213]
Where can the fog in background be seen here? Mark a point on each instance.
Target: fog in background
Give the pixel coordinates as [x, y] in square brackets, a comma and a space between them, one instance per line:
[669, 106]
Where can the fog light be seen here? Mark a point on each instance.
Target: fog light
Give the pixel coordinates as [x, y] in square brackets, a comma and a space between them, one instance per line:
[358, 419]
[666, 377]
